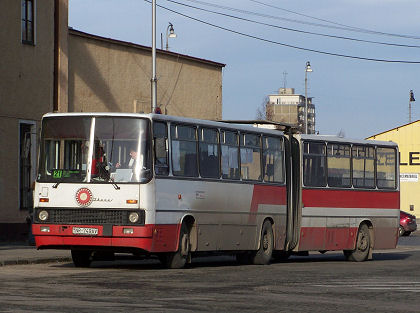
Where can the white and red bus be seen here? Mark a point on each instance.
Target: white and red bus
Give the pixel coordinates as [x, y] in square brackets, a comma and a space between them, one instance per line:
[173, 187]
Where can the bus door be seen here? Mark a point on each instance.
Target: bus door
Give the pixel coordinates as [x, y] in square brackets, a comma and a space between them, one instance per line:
[293, 191]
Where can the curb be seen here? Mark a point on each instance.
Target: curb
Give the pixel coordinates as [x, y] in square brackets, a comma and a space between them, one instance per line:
[35, 261]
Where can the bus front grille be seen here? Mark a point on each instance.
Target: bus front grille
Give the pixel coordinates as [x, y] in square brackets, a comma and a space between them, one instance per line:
[88, 216]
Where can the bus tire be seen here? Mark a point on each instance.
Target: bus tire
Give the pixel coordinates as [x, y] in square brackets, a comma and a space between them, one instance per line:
[81, 258]
[363, 245]
[179, 258]
[263, 255]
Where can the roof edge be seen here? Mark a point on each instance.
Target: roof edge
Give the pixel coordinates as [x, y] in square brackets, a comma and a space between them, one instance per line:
[79, 33]
[386, 131]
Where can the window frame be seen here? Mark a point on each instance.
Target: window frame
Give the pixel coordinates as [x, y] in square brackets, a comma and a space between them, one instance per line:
[350, 159]
[303, 163]
[283, 152]
[172, 138]
[237, 135]
[200, 142]
[243, 145]
[25, 21]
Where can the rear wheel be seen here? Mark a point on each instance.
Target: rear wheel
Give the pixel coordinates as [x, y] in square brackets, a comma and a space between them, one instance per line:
[363, 243]
[81, 258]
[179, 258]
[263, 255]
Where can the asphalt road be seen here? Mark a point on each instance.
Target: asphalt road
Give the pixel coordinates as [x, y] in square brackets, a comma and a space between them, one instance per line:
[318, 283]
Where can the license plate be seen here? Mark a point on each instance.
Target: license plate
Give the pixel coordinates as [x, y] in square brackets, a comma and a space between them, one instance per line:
[85, 231]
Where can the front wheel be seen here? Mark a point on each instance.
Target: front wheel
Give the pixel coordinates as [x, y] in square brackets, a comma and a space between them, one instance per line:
[263, 255]
[81, 258]
[363, 245]
[401, 231]
[179, 258]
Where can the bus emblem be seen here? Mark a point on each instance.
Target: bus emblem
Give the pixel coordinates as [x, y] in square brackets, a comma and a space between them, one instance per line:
[84, 197]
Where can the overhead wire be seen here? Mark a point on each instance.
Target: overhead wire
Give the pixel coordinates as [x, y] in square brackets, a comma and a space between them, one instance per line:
[364, 30]
[284, 44]
[337, 25]
[293, 29]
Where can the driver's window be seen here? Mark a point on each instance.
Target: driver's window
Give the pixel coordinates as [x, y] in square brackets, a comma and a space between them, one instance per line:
[160, 139]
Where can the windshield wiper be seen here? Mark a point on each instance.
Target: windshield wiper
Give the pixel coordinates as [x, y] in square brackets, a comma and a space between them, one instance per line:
[56, 184]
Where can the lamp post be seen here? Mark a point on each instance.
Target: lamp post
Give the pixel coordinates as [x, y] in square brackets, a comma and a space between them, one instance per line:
[154, 79]
[307, 69]
[170, 33]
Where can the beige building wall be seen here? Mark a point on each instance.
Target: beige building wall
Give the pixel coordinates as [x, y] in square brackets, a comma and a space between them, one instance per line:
[109, 75]
[26, 93]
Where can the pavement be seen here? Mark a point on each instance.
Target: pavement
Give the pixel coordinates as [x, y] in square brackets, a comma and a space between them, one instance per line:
[14, 254]
[22, 253]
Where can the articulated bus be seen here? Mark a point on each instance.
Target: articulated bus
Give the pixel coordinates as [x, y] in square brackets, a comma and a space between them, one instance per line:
[174, 188]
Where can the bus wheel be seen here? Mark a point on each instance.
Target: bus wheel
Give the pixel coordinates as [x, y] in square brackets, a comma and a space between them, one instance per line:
[179, 258]
[81, 258]
[361, 252]
[263, 255]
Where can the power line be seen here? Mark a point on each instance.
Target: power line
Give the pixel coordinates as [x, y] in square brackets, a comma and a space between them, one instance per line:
[294, 30]
[335, 23]
[286, 45]
[338, 25]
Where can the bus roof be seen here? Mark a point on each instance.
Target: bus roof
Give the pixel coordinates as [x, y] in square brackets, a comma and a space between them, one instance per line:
[332, 138]
[171, 118]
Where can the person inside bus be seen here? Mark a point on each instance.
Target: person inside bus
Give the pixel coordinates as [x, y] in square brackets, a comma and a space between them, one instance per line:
[132, 162]
[99, 163]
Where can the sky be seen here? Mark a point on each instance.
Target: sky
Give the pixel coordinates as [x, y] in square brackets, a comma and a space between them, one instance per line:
[353, 96]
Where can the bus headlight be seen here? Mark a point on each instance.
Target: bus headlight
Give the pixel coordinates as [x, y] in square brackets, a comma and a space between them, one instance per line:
[133, 217]
[43, 215]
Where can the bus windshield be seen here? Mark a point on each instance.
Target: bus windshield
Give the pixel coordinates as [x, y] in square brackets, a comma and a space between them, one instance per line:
[95, 149]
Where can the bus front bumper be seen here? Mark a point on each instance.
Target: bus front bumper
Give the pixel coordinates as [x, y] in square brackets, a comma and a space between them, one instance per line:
[150, 238]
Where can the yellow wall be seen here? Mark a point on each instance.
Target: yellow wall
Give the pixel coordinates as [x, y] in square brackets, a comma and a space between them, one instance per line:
[408, 139]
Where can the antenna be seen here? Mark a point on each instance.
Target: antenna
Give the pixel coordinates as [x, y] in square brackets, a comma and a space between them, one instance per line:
[284, 79]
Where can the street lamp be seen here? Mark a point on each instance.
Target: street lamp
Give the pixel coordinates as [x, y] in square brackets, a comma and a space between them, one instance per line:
[307, 69]
[170, 33]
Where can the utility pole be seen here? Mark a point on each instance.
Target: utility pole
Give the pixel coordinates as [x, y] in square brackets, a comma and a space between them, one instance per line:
[154, 79]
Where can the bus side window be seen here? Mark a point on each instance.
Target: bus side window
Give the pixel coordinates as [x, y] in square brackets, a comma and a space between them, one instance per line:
[250, 157]
[363, 158]
[160, 139]
[338, 165]
[385, 168]
[209, 153]
[229, 154]
[184, 150]
[273, 159]
[314, 167]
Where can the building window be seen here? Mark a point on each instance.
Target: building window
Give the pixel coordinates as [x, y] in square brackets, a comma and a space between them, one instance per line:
[27, 22]
[27, 151]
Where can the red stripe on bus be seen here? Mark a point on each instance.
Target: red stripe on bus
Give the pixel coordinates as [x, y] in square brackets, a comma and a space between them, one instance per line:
[350, 199]
[324, 238]
[266, 195]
